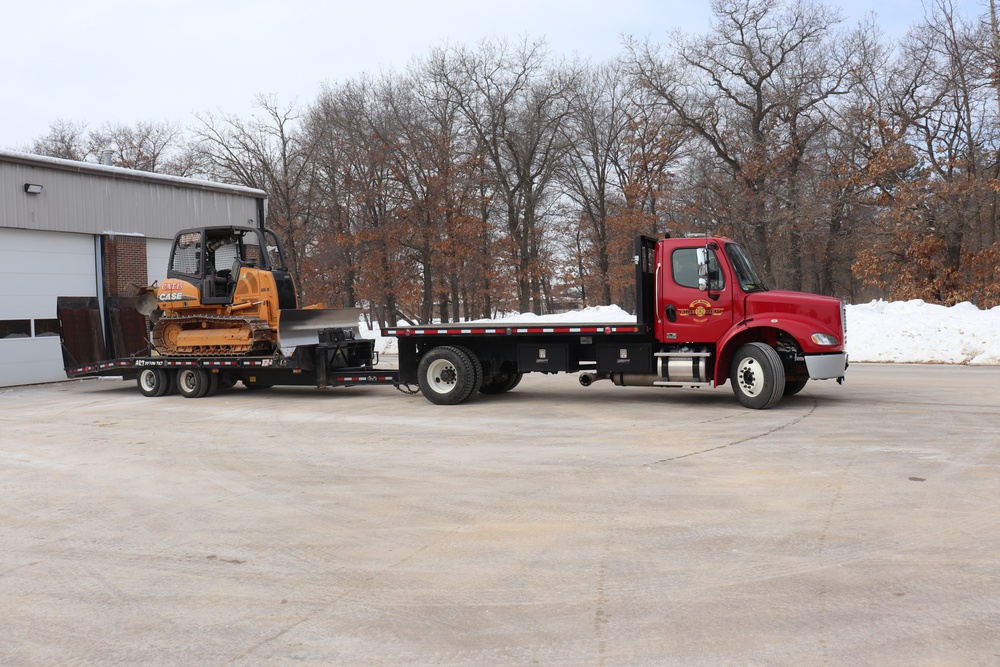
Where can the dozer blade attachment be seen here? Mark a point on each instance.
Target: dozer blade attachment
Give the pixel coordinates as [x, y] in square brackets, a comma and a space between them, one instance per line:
[302, 326]
[145, 297]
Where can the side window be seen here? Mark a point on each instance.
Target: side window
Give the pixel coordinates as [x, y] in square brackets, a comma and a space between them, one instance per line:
[684, 263]
[274, 255]
[225, 255]
[186, 256]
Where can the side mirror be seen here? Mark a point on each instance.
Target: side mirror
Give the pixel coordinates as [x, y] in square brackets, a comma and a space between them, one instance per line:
[702, 269]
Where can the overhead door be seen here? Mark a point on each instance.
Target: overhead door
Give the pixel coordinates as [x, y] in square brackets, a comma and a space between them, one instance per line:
[157, 256]
[35, 268]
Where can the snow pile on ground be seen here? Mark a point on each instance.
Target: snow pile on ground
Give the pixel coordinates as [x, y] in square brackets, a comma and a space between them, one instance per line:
[880, 331]
[919, 332]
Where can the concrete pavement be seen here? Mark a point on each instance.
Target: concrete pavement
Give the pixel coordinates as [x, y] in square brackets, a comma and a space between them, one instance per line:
[555, 525]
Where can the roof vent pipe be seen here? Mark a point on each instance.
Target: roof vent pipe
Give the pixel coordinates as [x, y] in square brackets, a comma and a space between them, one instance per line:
[107, 156]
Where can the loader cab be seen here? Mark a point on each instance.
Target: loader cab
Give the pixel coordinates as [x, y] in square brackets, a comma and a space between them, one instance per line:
[211, 258]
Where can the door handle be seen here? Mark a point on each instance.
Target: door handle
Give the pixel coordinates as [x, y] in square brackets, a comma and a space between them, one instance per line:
[671, 312]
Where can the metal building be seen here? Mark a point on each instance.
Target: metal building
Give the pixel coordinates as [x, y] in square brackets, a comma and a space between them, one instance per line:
[85, 230]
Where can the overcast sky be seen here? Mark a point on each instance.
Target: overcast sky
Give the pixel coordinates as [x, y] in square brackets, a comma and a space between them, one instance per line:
[126, 61]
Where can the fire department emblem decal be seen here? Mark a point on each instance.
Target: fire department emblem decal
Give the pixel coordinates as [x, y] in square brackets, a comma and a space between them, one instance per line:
[700, 310]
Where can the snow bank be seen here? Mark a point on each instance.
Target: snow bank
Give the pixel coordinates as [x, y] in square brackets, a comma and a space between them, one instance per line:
[919, 332]
[880, 331]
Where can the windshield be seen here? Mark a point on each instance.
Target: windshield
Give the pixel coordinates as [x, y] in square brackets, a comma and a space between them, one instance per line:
[746, 275]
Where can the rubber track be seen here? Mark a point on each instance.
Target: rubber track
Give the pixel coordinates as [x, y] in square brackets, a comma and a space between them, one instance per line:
[262, 339]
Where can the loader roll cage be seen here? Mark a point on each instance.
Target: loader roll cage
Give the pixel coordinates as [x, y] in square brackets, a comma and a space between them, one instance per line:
[204, 252]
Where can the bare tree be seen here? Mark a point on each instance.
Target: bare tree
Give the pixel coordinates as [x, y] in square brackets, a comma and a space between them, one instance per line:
[753, 91]
[935, 238]
[515, 106]
[269, 153]
[596, 135]
[66, 139]
[145, 146]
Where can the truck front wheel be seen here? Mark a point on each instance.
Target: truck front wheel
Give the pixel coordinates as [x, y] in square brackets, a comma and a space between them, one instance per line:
[757, 376]
[446, 375]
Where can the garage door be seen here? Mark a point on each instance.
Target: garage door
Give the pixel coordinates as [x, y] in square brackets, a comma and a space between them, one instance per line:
[157, 257]
[35, 268]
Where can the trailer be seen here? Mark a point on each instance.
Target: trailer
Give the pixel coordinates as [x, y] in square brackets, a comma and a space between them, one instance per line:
[227, 313]
[338, 358]
[703, 318]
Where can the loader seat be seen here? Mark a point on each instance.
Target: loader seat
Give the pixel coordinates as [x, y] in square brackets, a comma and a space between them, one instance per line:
[215, 286]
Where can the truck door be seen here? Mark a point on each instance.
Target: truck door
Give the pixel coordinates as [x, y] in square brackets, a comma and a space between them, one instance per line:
[686, 313]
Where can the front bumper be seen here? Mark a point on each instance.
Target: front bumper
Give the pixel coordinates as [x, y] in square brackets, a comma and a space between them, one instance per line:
[826, 366]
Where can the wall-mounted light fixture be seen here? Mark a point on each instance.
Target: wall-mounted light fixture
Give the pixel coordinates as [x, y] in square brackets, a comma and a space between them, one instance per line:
[33, 188]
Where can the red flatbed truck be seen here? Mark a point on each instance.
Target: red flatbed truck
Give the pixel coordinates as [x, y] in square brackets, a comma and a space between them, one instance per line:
[703, 317]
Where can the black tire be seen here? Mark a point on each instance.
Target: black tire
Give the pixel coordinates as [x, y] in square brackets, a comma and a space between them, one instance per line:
[447, 375]
[213, 384]
[757, 376]
[501, 383]
[154, 382]
[257, 385]
[194, 382]
[477, 369]
[793, 387]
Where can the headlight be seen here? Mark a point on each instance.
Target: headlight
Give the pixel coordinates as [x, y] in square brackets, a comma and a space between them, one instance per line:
[824, 339]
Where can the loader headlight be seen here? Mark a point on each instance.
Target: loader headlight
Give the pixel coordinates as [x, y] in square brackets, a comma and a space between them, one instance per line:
[825, 339]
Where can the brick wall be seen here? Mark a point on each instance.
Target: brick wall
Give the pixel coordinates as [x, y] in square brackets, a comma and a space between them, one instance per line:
[124, 262]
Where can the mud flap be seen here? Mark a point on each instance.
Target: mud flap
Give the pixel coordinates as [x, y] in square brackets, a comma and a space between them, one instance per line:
[302, 326]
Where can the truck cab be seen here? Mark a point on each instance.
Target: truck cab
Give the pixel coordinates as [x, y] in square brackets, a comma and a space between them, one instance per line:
[707, 296]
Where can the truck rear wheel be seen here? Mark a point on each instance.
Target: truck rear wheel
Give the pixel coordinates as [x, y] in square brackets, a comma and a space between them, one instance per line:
[757, 376]
[476, 366]
[501, 383]
[154, 382]
[447, 375]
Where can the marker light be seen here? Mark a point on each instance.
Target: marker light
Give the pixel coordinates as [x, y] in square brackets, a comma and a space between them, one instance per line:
[824, 339]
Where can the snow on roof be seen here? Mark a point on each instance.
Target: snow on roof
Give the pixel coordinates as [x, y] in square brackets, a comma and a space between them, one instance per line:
[92, 168]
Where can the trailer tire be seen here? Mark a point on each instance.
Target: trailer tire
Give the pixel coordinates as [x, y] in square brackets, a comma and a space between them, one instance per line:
[757, 376]
[213, 384]
[154, 382]
[447, 375]
[501, 383]
[257, 385]
[194, 382]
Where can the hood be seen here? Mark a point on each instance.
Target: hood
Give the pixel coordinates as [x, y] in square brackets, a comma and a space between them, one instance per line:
[825, 309]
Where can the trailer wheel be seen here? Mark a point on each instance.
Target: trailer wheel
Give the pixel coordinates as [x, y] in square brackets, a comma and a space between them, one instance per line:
[446, 375]
[257, 385]
[757, 376]
[501, 383]
[154, 382]
[213, 384]
[194, 382]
